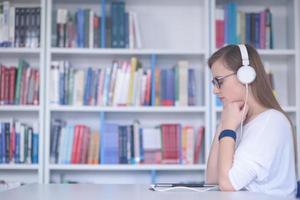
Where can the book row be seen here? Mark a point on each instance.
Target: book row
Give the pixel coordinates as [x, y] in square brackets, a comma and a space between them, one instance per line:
[19, 85]
[126, 83]
[19, 142]
[84, 28]
[234, 27]
[125, 144]
[19, 26]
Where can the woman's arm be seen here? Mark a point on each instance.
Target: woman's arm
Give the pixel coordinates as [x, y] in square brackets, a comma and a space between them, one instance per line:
[212, 171]
[226, 154]
[231, 118]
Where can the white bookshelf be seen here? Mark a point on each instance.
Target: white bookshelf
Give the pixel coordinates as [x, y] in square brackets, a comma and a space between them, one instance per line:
[20, 51]
[23, 108]
[93, 51]
[283, 60]
[27, 173]
[183, 30]
[124, 167]
[297, 93]
[140, 109]
[19, 167]
[191, 22]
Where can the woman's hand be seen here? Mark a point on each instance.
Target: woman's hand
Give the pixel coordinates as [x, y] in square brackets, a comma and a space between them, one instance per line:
[232, 115]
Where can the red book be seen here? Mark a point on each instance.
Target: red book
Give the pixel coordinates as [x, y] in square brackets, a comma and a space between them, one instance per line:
[148, 88]
[36, 97]
[12, 141]
[79, 144]
[167, 102]
[75, 141]
[219, 33]
[82, 142]
[198, 146]
[12, 85]
[6, 89]
[220, 27]
[262, 30]
[85, 145]
[170, 141]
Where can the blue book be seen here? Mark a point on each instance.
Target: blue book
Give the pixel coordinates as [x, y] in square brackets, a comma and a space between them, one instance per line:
[114, 30]
[17, 150]
[61, 84]
[91, 87]
[35, 147]
[123, 140]
[168, 87]
[95, 86]
[257, 30]
[80, 28]
[232, 23]
[103, 24]
[55, 135]
[126, 16]
[3, 142]
[153, 65]
[191, 87]
[248, 28]
[172, 86]
[121, 24]
[141, 144]
[87, 86]
[110, 144]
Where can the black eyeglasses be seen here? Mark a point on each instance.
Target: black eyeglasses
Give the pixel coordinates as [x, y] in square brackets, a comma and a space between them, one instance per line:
[217, 81]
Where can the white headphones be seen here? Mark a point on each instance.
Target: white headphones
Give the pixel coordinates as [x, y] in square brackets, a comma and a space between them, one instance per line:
[246, 74]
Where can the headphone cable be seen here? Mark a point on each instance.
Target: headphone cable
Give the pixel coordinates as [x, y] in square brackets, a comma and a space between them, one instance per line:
[243, 113]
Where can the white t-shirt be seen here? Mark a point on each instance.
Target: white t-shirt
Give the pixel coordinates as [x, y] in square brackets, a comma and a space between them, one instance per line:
[264, 158]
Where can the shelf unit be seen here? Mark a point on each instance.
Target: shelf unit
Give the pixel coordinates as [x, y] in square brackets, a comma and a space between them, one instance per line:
[191, 22]
[169, 42]
[283, 60]
[141, 109]
[159, 167]
[297, 93]
[27, 173]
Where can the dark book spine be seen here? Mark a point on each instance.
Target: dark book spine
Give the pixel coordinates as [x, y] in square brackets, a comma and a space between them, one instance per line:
[7, 142]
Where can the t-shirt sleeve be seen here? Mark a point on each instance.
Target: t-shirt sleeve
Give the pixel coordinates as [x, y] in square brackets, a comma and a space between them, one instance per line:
[254, 156]
[244, 170]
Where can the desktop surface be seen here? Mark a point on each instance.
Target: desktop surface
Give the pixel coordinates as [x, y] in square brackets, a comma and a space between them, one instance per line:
[120, 192]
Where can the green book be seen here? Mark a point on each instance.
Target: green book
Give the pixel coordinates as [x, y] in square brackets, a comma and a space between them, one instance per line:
[22, 64]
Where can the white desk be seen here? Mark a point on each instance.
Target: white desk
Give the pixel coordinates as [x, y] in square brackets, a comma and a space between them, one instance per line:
[119, 192]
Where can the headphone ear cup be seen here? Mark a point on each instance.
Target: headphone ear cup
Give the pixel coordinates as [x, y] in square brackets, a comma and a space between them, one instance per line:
[246, 74]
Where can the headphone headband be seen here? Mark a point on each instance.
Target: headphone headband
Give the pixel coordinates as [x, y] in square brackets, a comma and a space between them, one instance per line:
[246, 74]
[244, 54]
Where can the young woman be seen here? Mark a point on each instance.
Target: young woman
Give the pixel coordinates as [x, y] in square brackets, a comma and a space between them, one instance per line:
[253, 147]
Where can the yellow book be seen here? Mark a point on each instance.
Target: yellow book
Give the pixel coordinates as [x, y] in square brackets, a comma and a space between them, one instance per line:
[133, 66]
[96, 148]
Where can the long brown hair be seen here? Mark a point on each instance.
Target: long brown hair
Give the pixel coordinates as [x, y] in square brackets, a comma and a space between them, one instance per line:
[261, 88]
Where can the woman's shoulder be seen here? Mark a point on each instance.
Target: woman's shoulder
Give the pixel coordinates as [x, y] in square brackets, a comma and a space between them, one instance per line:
[277, 118]
[272, 121]
[276, 123]
[271, 127]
